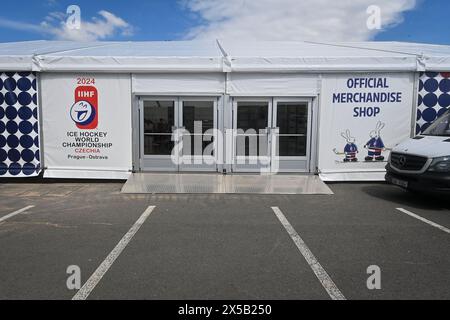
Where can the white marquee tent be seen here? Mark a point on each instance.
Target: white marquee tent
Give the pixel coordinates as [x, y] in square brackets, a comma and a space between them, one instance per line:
[287, 80]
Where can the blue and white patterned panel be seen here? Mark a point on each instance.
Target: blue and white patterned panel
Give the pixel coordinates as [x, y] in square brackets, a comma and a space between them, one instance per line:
[19, 126]
[434, 98]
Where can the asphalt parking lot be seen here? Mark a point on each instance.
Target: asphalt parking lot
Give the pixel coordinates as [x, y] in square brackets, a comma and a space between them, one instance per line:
[215, 246]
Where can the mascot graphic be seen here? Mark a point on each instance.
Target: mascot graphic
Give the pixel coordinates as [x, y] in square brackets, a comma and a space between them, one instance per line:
[350, 149]
[375, 146]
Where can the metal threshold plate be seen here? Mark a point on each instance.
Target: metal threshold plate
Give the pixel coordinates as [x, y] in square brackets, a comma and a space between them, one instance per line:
[218, 183]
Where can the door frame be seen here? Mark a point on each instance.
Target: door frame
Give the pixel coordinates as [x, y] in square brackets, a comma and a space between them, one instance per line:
[307, 157]
[272, 118]
[234, 103]
[178, 124]
[163, 158]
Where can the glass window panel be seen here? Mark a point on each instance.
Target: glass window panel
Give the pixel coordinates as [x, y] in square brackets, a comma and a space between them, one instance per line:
[292, 117]
[158, 144]
[255, 145]
[159, 116]
[292, 146]
[252, 115]
[189, 147]
[198, 111]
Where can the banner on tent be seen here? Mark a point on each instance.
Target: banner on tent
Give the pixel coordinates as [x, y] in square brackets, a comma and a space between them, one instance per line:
[87, 122]
[362, 117]
[19, 125]
[433, 98]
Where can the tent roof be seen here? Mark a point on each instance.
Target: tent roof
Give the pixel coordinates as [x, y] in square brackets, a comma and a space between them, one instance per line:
[431, 57]
[219, 56]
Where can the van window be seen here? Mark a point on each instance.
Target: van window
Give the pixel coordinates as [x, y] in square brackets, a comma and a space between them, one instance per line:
[441, 127]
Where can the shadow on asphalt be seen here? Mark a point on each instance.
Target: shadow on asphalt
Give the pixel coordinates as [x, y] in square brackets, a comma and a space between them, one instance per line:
[407, 198]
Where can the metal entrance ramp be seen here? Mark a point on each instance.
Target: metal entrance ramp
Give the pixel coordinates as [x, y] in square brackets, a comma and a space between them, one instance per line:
[218, 183]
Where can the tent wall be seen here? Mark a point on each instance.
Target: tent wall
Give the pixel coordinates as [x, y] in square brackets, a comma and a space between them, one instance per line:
[19, 125]
[86, 140]
[355, 120]
[178, 84]
[107, 150]
[273, 84]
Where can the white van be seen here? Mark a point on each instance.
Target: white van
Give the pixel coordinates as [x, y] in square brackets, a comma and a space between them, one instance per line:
[423, 162]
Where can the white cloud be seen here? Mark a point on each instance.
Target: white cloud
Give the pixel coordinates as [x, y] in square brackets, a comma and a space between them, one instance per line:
[319, 20]
[21, 26]
[101, 27]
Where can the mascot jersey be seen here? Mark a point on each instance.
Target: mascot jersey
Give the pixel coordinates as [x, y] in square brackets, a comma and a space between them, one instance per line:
[375, 146]
[350, 151]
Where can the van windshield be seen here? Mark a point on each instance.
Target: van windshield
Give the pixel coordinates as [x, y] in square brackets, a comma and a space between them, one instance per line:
[441, 127]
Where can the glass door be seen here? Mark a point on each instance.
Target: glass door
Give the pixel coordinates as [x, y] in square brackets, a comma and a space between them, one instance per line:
[158, 122]
[252, 122]
[177, 134]
[291, 135]
[271, 135]
[198, 121]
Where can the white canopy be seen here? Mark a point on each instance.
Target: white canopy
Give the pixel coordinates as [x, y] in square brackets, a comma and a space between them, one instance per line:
[222, 56]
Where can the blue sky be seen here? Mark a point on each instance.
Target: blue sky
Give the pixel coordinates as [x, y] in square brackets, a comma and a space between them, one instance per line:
[411, 20]
[152, 20]
[428, 23]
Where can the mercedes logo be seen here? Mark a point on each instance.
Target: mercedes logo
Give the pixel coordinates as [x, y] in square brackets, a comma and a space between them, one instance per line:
[402, 161]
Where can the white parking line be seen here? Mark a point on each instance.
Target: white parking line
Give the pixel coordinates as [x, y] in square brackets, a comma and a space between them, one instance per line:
[319, 271]
[12, 214]
[431, 223]
[90, 284]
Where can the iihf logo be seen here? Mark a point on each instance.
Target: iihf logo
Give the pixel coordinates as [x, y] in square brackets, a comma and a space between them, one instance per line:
[84, 112]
